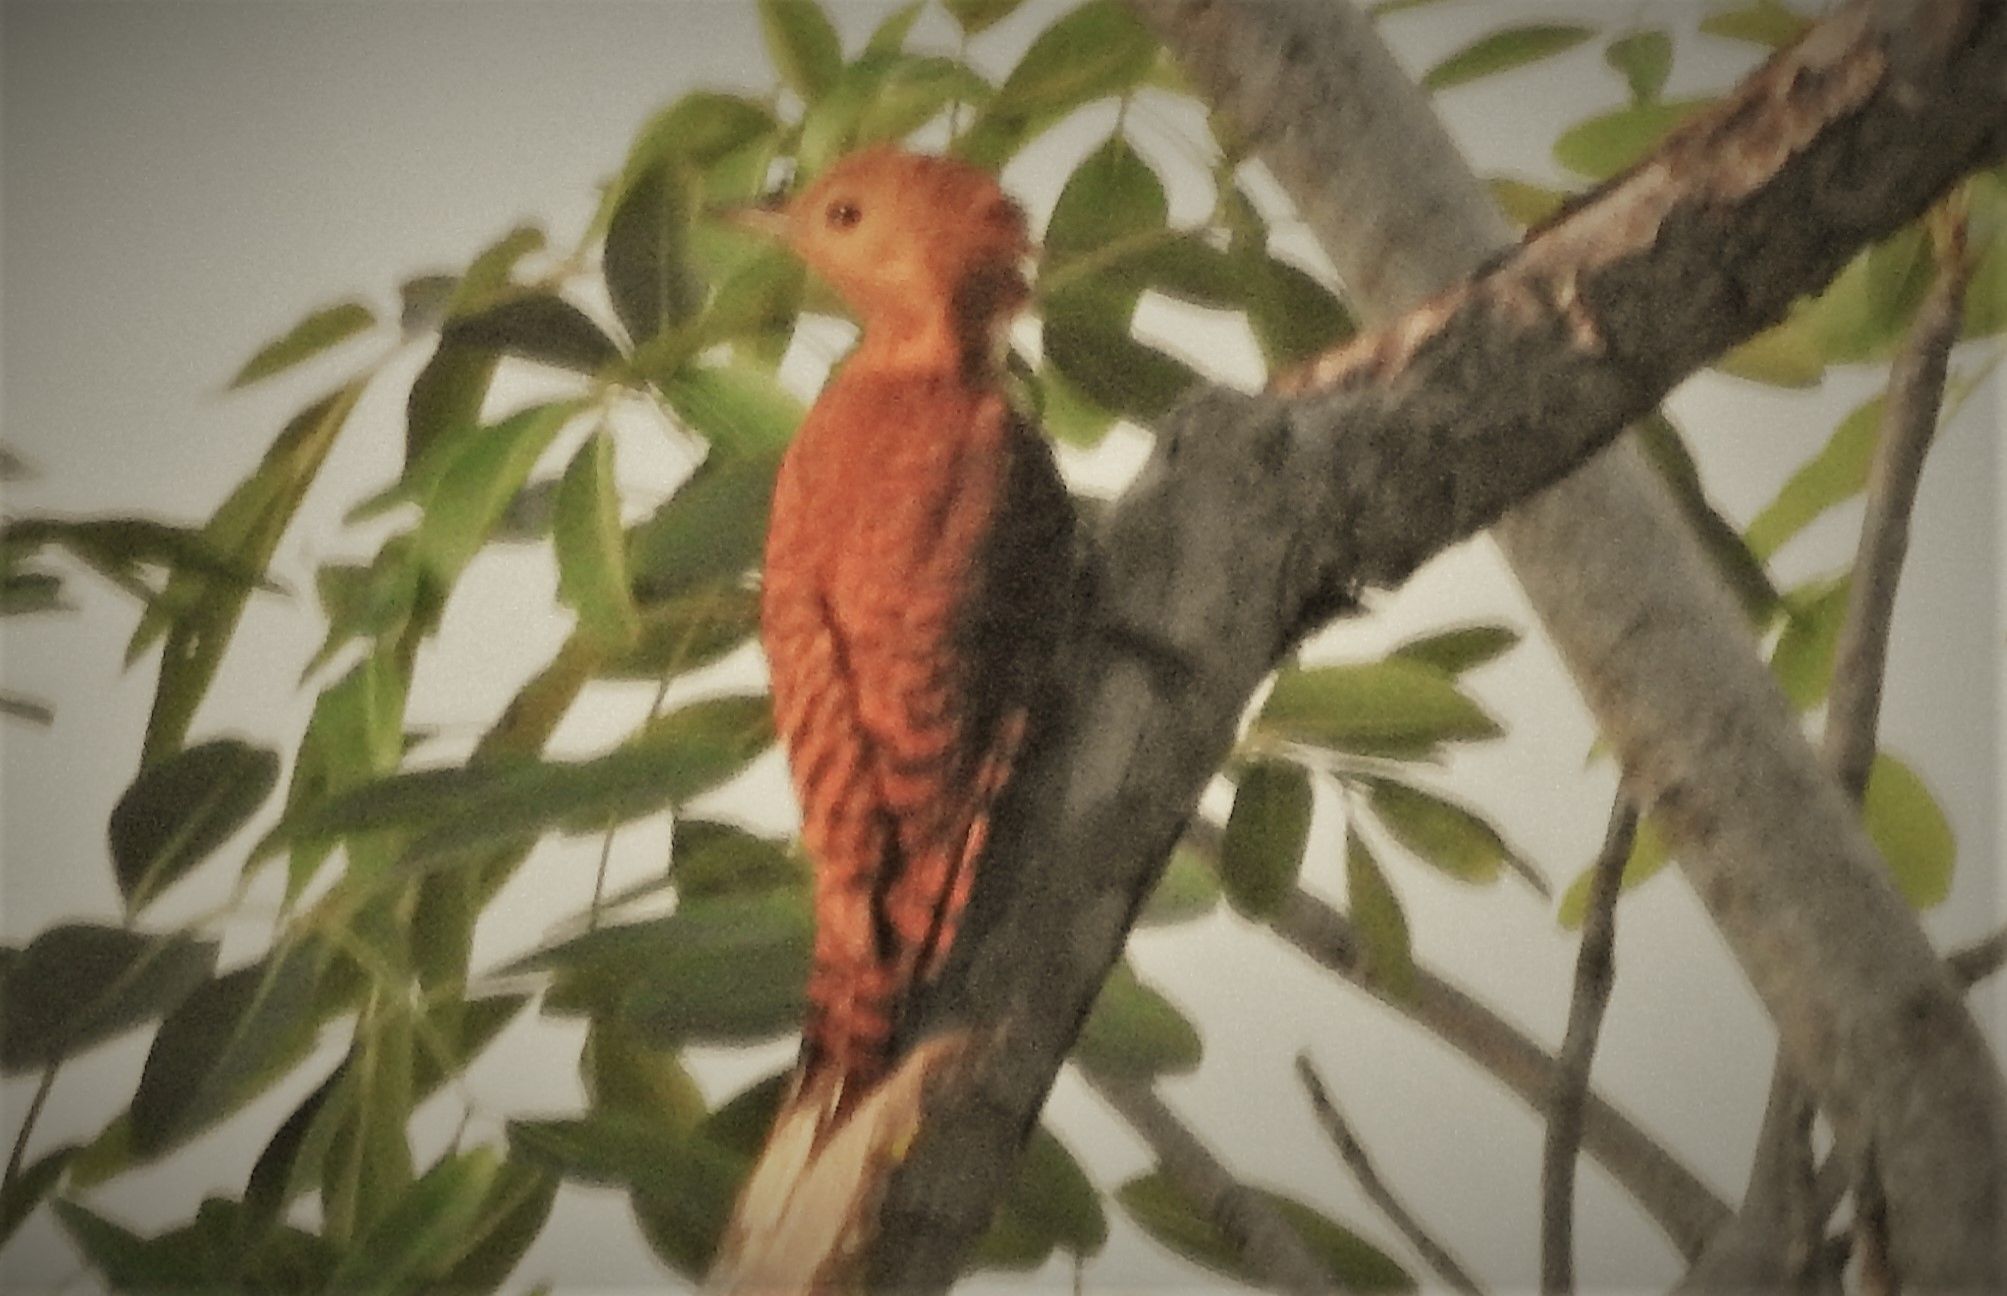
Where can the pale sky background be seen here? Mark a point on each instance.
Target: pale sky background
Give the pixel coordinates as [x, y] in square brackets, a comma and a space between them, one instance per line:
[180, 181]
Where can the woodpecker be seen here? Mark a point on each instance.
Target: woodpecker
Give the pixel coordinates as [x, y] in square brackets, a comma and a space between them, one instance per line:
[915, 583]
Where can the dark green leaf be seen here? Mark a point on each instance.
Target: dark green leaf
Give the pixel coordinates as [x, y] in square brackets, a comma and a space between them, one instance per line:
[477, 485]
[76, 986]
[247, 527]
[711, 858]
[1388, 707]
[539, 326]
[803, 44]
[518, 1202]
[711, 529]
[1092, 347]
[685, 632]
[627, 1073]
[977, 15]
[1262, 849]
[422, 301]
[1459, 648]
[1066, 414]
[1502, 51]
[1376, 913]
[128, 1261]
[26, 592]
[17, 707]
[740, 408]
[1836, 474]
[1643, 59]
[1440, 832]
[741, 1123]
[1113, 194]
[323, 329]
[367, 1165]
[180, 809]
[37, 1179]
[646, 266]
[1169, 1217]
[221, 1045]
[1049, 1203]
[1911, 832]
[1188, 889]
[420, 1233]
[1097, 50]
[118, 546]
[1292, 314]
[889, 37]
[591, 551]
[1769, 23]
[728, 968]
[447, 394]
[1135, 1033]
[1603, 145]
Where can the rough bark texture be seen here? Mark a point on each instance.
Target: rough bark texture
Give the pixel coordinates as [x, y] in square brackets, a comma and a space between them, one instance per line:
[1259, 516]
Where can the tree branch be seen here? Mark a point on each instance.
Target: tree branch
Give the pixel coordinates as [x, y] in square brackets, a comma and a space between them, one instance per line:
[1595, 973]
[1353, 1154]
[1264, 1239]
[1864, 1009]
[1258, 516]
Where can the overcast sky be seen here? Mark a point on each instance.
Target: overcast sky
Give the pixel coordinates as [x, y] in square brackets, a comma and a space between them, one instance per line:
[183, 180]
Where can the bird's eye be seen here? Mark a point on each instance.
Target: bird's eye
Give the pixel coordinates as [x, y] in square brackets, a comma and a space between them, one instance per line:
[843, 214]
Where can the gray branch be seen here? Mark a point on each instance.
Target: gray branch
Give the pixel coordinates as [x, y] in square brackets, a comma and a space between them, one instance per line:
[1353, 1154]
[1595, 974]
[1266, 1242]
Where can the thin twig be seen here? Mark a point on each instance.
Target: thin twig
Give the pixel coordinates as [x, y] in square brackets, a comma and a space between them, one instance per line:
[1595, 967]
[1353, 1153]
[34, 1114]
[1264, 1239]
[1975, 963]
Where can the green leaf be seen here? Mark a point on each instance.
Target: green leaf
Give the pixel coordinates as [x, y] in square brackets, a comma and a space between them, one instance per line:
[1502, 51]
[1910, 831]
[1439, 832]
[1067, 415]
[510, 1217]
[323, 329]
[1090, 344]
[1601, 146]
[1049, 1203]
[624, 1072]
[711, 859]
[1164, 1212]
[1391, 707]
[1382, 8]
[803, 44]
[646, 262]
[128, 1261]
[1376, 913]
[1292, 314]
[729, 968]
[1644, 59]
[976, 16]
[490, 273]
[1802, 661]
[1769, 23]
[1790, 354]
[367, 1165]
[539, 326]
[1459, 648]
[37, 1179]
[741, 1122]
[476, 486]
[1135, 1033]
[1113, 194]
[118, 547]
[447, 393]
[247, 527]
[1648, 858]
[419, 1234]
[1525, 203]
[711, 529]
[1833, 476]
[740, 408]
[356, 734]
[76, 986]
[889, 37]
[1097, 50]
[180, 809]
[1189, 889]
[591, 551]
[686, 631]
[1262, 849]
[222, 1044]
[1865, 313]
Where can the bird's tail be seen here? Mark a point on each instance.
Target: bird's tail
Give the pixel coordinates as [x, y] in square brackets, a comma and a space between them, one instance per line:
[805, 1208]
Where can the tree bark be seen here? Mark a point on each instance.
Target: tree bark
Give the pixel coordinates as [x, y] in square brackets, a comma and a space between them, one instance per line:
[1258, 517]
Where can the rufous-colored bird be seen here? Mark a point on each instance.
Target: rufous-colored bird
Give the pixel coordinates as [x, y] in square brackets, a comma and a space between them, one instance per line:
[916, 579]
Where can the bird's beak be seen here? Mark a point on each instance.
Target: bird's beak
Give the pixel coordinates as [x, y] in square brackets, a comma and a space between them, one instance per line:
[766, 218]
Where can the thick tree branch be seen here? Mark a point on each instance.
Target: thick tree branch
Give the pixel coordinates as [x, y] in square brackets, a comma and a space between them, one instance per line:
[1806, 153]
[1258, 516]
[1595, 975]
[1266, 1242]
[1353, 1154]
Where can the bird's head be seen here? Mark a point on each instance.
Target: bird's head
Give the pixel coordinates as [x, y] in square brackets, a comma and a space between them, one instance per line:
[907, 238]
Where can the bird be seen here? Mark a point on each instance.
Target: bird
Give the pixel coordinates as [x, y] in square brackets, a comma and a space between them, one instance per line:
[914, 588]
